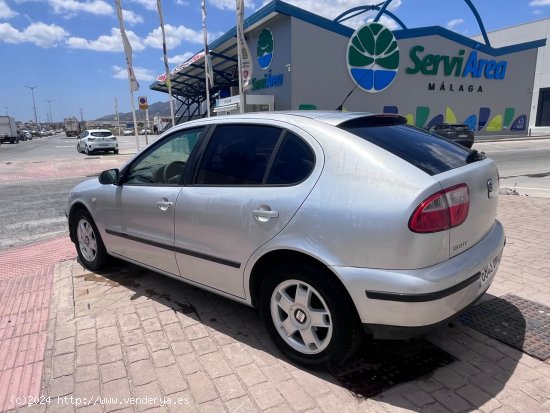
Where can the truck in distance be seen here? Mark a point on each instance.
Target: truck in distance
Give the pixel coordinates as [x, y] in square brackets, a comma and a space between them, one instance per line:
[72, 127]
[8, 130]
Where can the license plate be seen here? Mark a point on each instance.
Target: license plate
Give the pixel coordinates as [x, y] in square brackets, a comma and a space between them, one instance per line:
[488, 270]
[104, 144]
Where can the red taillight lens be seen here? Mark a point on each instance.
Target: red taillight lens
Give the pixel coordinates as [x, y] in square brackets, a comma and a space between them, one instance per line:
[442, 210]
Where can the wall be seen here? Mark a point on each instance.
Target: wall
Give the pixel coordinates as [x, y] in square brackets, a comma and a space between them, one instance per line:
[281, 29]
[526, 33]
[321, 78]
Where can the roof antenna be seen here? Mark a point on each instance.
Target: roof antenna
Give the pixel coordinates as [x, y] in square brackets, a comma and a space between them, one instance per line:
[341, 106]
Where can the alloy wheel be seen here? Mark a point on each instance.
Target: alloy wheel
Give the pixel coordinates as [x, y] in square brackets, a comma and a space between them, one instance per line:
[301, 316]
[86, 240]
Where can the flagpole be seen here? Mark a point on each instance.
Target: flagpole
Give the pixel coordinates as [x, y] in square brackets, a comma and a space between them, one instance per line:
[207, 61]
[240, 35]
[134, 114]
[166, 69]
[134, 85]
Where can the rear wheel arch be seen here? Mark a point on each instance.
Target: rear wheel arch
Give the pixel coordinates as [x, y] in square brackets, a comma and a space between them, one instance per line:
[281, 258]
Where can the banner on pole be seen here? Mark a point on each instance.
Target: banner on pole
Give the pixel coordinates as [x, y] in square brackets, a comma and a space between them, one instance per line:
[127, 48]
[245, 70]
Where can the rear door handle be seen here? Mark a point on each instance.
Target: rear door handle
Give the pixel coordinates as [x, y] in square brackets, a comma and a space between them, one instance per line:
[164, 205]
[260, 213]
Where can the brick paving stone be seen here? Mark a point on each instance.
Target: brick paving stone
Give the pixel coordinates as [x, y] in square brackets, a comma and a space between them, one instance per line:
[86, 373]
[148, 393]
[112, 371]
[174, 332]
[117, 389]
[86, 336]
[204, 345]
[241, 405]
[147, 312]
[137, 352]
[133, 337]
[195, 332]
[202, 387]
[129, 322]
[142, 372]
[266, 395]
[110, 354]
[61, 386]
[189, 363]
[213, 406]
[295, 397]
[215, 365]
[276, 373]
[171, 380]
[63, 365]
[451, 401]
[229, 387]
[107, 336]
[150, 325]
[157, 341]
[86, 354]
[236, 355]
[163, 358]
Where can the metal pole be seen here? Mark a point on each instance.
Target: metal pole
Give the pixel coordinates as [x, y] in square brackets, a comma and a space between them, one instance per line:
[50, 107]
[33, 103]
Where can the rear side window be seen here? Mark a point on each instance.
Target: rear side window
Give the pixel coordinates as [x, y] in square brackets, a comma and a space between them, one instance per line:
[428, 152]
[294, 162]
[237, 155]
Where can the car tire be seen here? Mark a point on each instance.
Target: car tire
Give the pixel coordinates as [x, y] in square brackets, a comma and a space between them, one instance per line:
[87, 150]
[89, 245]
[115, 151]
[288, 315]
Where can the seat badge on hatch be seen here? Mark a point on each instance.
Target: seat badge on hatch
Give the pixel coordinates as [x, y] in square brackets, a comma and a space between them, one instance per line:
[490, 188]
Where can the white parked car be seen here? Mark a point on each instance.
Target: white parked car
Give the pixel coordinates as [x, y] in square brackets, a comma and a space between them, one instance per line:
[97, 140]
[330, 223]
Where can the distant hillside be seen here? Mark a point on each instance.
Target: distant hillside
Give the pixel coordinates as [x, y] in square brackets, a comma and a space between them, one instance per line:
[155, 109]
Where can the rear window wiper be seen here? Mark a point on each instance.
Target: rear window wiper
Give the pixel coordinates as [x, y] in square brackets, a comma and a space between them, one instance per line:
[475, 156]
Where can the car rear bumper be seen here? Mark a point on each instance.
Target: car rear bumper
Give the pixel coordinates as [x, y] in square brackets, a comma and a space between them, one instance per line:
[407, 303]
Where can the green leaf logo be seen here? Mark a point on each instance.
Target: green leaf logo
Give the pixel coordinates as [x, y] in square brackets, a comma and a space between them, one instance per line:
[265, 48]
[373, 57]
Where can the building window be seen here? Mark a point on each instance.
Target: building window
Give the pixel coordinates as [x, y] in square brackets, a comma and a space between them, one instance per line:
[543, 111]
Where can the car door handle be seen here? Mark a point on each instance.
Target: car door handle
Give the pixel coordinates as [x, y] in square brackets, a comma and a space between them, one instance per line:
[164, 205]
[260, 213]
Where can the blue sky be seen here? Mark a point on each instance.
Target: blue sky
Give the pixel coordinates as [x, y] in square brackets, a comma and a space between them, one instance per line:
[71, 49]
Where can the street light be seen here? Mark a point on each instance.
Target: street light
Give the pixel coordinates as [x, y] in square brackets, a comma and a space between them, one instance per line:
[50, 106]
[33, 103]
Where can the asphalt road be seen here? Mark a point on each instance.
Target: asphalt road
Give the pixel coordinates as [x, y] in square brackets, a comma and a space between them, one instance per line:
[32, 210]
[524, 165]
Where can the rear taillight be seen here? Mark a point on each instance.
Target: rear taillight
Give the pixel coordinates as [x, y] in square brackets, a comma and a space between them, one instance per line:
[442, 210]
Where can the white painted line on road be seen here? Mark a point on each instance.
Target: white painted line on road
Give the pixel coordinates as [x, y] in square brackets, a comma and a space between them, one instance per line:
[65, 146]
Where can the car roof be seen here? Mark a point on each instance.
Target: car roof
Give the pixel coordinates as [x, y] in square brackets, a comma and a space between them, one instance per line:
[331, 117]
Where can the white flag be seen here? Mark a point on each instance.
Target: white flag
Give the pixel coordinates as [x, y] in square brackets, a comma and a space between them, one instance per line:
[127, 48]
[165, 57]
[207, 60]
[245, 72]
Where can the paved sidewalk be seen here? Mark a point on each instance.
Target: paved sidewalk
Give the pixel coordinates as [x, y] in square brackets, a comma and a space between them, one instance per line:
[130, 340]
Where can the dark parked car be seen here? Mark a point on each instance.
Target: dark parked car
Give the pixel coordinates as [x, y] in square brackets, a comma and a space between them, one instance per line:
[459, 133]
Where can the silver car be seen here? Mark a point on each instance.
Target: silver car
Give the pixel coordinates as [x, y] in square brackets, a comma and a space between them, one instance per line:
[332, 224]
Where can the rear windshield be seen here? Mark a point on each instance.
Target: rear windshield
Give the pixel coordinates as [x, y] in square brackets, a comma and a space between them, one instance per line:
[100, 134]
[461, 128]
[429, 152]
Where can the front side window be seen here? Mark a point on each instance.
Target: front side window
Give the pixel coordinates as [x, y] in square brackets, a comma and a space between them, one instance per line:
[165, 163]
[237, 155]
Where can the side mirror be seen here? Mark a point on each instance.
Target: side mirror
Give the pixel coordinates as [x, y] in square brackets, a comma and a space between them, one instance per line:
[109, 177]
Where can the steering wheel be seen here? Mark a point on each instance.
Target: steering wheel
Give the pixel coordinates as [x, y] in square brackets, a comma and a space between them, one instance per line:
[172, 170]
